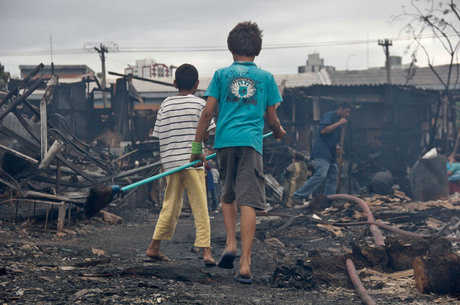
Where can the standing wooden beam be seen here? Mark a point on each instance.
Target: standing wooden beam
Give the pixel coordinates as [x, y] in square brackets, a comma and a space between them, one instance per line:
[340, 158]
[43, 130]
[45, 101]
[61, 217]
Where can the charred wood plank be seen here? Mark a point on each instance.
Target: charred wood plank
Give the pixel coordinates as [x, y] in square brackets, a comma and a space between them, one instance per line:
[371, 255]
[141, 78]
[439, 274]
[19, 155]
[49, 155]
[22, 84]
[33, 194]
[8, 184]
[133, 171]
[403, 250]
[62, 182]
[76, 168]
[67, 170]
[23, 97]
[34, 133]
[110, 218]
[30, 145]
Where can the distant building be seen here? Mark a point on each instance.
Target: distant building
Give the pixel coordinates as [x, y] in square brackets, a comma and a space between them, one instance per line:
[62, 71]
[315, 64]
[149, 68]
[395, 63]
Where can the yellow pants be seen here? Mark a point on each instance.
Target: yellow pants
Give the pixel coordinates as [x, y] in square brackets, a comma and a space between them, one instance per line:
[194, 182]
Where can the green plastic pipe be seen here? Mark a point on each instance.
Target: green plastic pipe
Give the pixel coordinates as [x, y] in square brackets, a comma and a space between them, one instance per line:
[172, 171]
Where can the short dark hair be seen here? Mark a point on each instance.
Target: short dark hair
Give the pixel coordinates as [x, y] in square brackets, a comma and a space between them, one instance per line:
[186, 76]
[345, 105]
[245, 39]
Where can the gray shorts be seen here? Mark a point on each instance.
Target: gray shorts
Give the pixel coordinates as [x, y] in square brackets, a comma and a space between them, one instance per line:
[242, 176]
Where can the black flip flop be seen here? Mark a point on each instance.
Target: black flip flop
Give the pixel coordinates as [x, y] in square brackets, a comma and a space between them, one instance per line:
[226, 261]
[243, 280]
[210, 264]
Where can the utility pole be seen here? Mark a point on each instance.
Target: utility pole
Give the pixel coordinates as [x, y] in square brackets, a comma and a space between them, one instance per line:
[386, 43]
[51, 51]
[102, 50]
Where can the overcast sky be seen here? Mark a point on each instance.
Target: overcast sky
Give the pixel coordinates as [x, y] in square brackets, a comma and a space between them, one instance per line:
[26, 26]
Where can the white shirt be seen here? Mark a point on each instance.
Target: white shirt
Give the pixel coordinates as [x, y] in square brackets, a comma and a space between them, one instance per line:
[175, 127]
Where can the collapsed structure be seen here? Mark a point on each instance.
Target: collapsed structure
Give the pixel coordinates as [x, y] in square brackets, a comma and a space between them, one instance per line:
[57, 141]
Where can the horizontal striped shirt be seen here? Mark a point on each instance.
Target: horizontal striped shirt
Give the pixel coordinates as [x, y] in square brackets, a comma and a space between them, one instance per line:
[175, 127]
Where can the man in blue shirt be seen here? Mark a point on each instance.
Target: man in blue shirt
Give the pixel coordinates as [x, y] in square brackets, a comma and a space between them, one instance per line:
[323, 153]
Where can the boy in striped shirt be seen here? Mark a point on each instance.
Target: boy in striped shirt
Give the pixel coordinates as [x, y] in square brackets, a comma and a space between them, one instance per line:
[175, 127]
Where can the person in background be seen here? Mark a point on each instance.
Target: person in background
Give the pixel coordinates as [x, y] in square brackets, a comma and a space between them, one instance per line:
[381, 183]
[453, 171]
[323, 152]
[213, 202]
[295, 176]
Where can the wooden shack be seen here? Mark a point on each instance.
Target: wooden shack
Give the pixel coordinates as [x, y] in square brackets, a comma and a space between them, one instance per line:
[389, 126]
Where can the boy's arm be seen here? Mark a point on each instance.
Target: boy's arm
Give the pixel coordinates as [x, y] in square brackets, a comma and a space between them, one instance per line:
[203, 123]
[274, 122]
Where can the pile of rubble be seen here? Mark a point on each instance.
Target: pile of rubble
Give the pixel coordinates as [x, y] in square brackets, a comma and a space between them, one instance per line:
[298, 257]
[431, 247]
[45, 170]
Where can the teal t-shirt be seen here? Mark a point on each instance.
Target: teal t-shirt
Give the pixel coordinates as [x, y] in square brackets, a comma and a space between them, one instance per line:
[455, 169]
[243, 92]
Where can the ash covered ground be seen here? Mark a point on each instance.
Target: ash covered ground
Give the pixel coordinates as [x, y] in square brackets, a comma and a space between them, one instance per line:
[295, 261]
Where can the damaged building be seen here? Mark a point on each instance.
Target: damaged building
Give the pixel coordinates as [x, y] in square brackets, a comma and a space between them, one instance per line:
[58, 140]
[391, 126]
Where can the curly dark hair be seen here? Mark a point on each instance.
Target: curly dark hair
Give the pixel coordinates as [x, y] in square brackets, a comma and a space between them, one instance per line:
[245, 39]
[186, 76]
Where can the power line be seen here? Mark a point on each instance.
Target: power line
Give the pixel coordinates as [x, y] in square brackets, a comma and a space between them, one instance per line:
[163, 49]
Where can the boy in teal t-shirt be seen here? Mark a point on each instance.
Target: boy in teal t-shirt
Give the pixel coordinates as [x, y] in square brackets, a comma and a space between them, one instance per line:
[244, 94]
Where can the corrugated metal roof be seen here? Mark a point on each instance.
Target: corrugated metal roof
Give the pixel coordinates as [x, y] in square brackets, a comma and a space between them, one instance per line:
[292, 80]
[424, 78]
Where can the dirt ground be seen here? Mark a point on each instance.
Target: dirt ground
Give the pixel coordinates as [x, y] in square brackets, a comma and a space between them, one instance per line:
[92, 262]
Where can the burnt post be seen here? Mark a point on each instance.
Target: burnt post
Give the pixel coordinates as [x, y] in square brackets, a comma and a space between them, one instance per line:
[45, 101]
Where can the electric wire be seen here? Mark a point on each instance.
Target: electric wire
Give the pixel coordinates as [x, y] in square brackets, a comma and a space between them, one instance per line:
[179, 49]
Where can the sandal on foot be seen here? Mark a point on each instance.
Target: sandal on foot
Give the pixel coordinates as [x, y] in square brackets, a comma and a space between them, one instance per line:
[159, 258]
[243, 280]
[210, 264]
[226, 261]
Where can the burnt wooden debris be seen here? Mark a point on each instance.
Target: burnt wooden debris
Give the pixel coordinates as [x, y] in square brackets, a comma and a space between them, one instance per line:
[435, 273]
[48, 163]
[45, 169]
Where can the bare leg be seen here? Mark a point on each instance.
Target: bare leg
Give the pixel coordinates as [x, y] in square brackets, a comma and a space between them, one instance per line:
[207, 255]
[153, 251]
[248, 229]
[229, 213]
